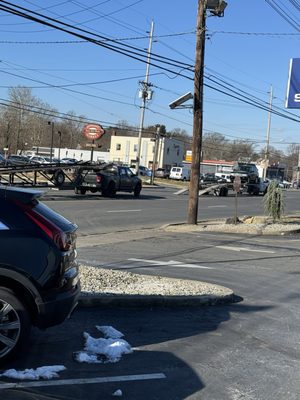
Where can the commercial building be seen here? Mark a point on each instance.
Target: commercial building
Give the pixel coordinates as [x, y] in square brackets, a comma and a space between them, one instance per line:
[124, 149]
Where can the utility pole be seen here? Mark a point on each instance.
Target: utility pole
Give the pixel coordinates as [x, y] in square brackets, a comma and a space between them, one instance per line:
[52, 135]
[156, 147]
[198, 115]
[266, 160]
[145, 95]
[216, 8]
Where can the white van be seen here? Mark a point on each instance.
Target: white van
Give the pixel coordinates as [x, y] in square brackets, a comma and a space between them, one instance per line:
[180, 173]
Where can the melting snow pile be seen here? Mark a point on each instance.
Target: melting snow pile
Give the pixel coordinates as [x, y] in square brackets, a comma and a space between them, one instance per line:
[47, 372]
[103, 350]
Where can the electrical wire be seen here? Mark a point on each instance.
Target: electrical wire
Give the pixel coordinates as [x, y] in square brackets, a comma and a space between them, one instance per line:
[132, 50]
[284, 14]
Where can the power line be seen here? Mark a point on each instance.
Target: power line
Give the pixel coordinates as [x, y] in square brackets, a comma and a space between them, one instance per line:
[43, 42]
[284, 14]
[272, 34]
[128, 50]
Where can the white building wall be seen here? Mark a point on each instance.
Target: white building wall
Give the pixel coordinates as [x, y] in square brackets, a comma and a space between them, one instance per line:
[124, 149]
[173, 151]
[79, 154]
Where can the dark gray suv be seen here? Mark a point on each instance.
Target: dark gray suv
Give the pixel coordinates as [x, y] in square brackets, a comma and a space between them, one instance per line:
[39, 281]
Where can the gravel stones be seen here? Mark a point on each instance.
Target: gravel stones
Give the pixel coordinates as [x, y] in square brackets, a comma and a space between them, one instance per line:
[105, 282]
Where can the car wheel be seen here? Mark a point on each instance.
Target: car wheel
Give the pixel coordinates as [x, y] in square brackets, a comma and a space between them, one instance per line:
[14, 324]
[82, 191]
[110, 191]
[137, 190]
[59, 178]
[93, 190]
[223, 191]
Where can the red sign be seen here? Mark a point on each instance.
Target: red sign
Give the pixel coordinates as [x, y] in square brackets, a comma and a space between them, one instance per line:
[93, 131]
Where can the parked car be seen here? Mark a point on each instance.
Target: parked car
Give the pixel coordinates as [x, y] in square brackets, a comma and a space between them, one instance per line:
[261, 187]
[15, 159]
[3, 160]
[180, 173]
[162, 173]
[39, 160]
[39, 283]
[108, 180]
[67, 160]
[143, 171]
[210, 178]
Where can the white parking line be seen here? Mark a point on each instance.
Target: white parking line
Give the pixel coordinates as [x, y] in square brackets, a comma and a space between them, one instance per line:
[220, 206]
[231, 248]
[121, 211]
[170, 263]
[82, 381]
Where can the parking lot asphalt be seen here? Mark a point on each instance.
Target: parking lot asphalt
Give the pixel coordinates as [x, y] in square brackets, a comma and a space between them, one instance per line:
[244, 350]
[247, 350]
[154, 370]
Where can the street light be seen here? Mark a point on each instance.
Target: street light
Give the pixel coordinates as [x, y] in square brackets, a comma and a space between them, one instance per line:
[216, 7]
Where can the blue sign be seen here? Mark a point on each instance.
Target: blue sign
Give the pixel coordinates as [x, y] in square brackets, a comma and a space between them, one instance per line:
[293, 89]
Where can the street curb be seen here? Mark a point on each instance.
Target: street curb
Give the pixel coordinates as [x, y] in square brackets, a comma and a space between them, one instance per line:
[86, 301]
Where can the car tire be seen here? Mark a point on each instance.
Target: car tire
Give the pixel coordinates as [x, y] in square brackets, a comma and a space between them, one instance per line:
[110, 191]
[15, 324]
[59, 178]
[82, 191]
[137, 190]
[223, 191]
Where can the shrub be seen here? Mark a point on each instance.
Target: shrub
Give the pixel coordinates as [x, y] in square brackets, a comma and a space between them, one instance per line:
[273, 201]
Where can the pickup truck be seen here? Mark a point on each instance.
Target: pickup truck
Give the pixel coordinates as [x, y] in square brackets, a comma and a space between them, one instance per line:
[108, 180]
[248, 172]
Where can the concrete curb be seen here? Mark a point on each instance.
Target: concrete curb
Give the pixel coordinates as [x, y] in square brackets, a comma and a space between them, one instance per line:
[155, 300]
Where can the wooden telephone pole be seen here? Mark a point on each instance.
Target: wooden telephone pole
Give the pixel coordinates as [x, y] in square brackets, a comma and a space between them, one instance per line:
[198, 115]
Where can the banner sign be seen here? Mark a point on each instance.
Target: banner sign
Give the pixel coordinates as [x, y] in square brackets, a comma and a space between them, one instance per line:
[293, 89]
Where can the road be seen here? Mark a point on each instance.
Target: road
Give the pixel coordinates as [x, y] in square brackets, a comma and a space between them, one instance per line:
[249, 350]
[155, 207]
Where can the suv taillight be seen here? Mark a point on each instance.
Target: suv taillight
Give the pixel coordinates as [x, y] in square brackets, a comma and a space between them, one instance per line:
[62, 239]
[98, 178]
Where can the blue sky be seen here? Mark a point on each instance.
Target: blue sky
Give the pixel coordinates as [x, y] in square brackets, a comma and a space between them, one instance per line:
[240, 50]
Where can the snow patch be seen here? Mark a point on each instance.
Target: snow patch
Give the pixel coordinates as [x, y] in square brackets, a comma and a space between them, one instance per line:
[118, 393]
[47, 372]
[103, 350]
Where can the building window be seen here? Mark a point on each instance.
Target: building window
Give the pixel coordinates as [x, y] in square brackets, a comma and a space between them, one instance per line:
[178, 152]
[168, 150]
[118, 146]
[135, 147]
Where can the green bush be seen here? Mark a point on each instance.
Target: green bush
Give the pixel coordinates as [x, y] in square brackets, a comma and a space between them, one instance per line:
[274, 202]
